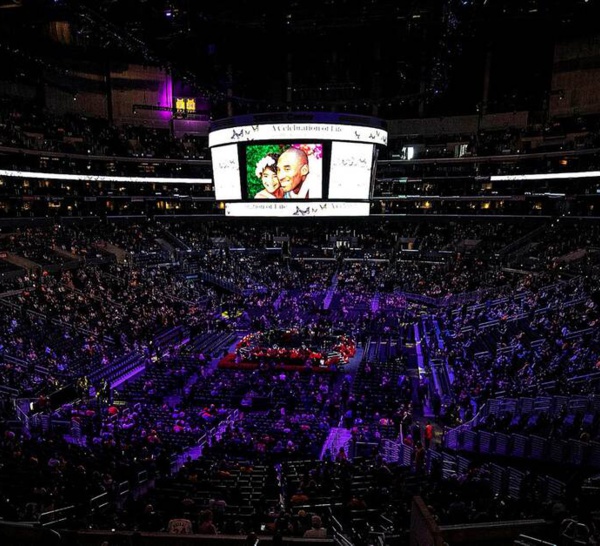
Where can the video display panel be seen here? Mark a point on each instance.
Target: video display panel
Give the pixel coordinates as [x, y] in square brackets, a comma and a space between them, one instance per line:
[284, 171]
[226, 173]
[261, 169]
[351, 170]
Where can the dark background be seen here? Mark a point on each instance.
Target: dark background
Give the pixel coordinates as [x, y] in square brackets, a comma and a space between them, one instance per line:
[386, 58]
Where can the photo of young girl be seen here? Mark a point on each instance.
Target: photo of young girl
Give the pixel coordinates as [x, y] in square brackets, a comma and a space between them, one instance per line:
[266, 171]
[261, 160]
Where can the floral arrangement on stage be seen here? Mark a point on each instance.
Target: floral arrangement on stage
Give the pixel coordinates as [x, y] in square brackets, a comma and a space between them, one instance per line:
[292, 347]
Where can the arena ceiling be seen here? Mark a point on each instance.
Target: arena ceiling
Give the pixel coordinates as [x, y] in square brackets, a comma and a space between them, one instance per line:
[382, 52]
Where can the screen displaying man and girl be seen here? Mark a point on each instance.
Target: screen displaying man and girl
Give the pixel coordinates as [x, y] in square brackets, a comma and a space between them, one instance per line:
[277, 171]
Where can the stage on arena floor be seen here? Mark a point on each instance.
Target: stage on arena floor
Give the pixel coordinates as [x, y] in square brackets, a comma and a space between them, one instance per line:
[291, 350]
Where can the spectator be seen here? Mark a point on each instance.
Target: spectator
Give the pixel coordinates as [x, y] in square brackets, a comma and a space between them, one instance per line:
[428, 434]
[150, 521]
[207, 526]
[316, 530]
[419, 456]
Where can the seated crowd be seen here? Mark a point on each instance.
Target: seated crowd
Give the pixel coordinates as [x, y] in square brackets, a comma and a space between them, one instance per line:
[123, 362]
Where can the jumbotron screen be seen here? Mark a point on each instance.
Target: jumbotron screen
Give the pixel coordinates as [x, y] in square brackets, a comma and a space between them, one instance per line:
[295, 164]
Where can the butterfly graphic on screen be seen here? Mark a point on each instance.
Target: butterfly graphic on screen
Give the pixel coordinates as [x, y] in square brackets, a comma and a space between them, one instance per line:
[301, 212]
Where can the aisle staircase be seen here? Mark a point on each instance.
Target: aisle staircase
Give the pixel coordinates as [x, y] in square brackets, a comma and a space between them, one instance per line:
[338, 437]
[330, 292]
